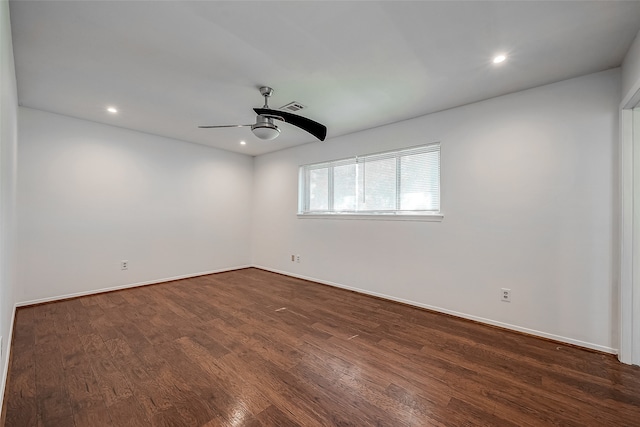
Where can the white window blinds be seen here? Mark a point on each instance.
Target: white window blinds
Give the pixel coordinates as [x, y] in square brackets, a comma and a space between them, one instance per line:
[394, 182]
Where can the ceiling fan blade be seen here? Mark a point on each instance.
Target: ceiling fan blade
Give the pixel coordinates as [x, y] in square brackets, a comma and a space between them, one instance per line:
[314, 128]
[224, 126]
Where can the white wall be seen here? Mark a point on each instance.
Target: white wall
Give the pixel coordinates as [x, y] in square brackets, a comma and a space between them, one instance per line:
[91, 195]
[528, 185]
[8, 144]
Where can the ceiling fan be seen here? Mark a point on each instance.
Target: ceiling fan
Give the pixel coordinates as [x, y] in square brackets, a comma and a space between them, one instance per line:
[265, 128]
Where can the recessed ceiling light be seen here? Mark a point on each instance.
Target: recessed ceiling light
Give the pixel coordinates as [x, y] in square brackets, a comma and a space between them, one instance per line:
[498, 59]
[112, 110]
[243, 143]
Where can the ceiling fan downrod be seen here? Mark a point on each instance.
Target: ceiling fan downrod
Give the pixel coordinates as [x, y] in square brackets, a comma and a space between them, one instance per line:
[266, 91]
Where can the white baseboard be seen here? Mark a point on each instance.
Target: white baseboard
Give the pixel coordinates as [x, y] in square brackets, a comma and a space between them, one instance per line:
[131, 285]
[453, 313]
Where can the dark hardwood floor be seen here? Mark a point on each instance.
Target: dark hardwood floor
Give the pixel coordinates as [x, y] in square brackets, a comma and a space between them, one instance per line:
[253, 348]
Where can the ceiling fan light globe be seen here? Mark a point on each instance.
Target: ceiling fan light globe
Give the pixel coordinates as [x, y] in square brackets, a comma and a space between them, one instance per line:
[265, 131]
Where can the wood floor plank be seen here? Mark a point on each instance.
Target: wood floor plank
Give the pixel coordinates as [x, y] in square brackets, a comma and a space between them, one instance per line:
[84, 390]
[249, 397]
[21, 405]
[128, 412]
[255, 348]
[50, 380]
[272, 416]
[95, 415]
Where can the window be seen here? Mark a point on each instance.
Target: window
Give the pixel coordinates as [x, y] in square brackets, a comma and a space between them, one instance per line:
[401, 182]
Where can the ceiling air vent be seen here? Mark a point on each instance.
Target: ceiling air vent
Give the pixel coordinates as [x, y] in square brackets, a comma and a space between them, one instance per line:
[293, 107]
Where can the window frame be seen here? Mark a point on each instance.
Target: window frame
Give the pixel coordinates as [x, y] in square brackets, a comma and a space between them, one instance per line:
[304, 193]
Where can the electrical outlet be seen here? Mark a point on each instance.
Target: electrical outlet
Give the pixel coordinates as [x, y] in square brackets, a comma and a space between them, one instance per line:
[505, 295]
[298, 259]
[124, 265]
[293, 258]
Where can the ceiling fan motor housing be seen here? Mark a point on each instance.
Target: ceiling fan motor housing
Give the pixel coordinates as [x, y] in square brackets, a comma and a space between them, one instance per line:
[265, 128]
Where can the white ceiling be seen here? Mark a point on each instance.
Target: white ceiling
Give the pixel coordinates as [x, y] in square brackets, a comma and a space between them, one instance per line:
[173, 65]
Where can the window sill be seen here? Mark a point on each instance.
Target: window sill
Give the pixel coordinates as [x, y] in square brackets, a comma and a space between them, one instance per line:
[376, 217]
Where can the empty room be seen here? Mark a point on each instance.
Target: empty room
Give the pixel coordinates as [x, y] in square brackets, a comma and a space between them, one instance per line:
[320, 213]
